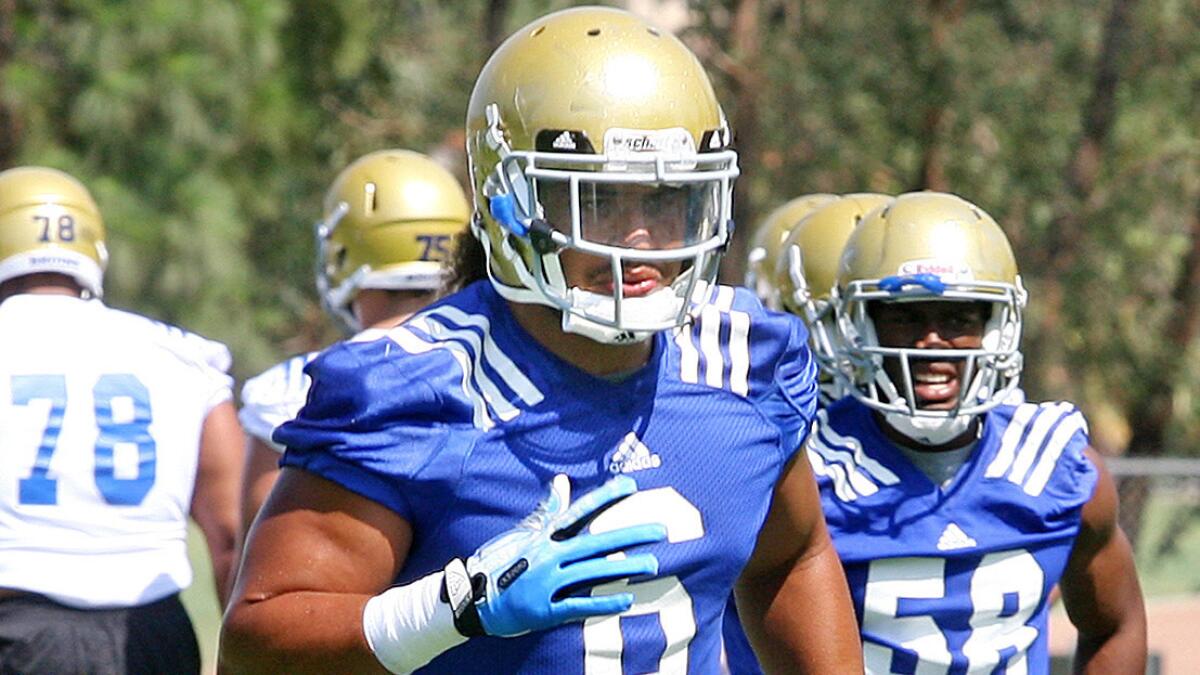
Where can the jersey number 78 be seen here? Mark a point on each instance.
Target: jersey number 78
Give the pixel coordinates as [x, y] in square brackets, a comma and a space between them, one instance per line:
[121, 409]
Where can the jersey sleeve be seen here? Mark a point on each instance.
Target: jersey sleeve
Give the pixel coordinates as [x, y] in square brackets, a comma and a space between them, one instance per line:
[1062, 472]
[372, 420]
[209, 359]
[274, 397]
[1041, 453]
[786, 369]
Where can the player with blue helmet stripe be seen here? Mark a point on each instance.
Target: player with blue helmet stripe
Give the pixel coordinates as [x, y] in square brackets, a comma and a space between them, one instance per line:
[955, 506]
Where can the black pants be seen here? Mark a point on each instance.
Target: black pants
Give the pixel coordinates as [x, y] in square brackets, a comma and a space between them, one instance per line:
[39, 636]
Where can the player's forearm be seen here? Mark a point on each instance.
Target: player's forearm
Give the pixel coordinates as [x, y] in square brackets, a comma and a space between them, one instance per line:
[220, 534]
[802, 621]
[1121, 653]
[301, 632]
[224, 562]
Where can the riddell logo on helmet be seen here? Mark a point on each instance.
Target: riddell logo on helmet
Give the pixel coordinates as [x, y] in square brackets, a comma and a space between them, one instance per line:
[53, 260]
[945, 269]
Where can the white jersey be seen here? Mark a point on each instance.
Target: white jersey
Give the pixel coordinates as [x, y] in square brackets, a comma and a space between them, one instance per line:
[101, 413]
[274, 397]
[277, 394]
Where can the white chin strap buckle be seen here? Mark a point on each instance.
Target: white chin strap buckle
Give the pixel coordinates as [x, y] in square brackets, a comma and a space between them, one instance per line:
[574, 323]
[594, 315]
[929, 430]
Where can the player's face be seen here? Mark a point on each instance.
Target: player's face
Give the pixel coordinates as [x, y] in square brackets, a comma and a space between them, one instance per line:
[629, 216]
[930, 325]
[382, 308]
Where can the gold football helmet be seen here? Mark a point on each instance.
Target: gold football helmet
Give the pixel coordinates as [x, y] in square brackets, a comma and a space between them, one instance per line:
[767, 244]
[598, 109]
[389, 219]
[50, 223]
[806, 272]
[929, 246]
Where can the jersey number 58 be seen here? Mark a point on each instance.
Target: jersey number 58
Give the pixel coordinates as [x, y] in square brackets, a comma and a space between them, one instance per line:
[1005, 589]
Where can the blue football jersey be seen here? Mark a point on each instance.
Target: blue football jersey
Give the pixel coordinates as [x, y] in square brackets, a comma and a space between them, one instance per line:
[457, 420]
[954, 578]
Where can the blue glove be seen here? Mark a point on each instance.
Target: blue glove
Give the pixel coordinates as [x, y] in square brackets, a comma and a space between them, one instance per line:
[525, 579]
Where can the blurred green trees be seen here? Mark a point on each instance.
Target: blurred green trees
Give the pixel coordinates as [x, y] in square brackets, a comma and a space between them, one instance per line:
[209, 130]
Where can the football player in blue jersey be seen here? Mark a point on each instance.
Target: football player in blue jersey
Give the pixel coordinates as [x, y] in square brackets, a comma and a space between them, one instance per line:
[566, 466]
[798, 274]
[954, 511]
[385, 233]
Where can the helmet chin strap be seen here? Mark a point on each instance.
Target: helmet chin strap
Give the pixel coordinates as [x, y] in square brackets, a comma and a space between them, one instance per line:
[661, 304]
[929, 430]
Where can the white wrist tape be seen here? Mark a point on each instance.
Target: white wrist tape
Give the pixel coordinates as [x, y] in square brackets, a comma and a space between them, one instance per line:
[407, 626]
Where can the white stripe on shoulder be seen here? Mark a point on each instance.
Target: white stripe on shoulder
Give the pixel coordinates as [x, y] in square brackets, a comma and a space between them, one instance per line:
[474, 348]
[1049, 416]
[844, 461]
[835, 473]
[409, 342]
[495, 357]
[1008, 443]
[848, 483]
[689, 358]
[1054, 449]
[739, 352]
[709, 323]
[369, 334]
[1024, 443]
[710, 346]
[724, 299]
[877, 471]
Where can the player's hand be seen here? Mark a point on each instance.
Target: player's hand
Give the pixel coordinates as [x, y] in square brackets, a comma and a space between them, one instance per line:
[531, 575]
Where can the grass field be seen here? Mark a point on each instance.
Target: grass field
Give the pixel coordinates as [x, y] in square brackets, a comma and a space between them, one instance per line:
[201, 600]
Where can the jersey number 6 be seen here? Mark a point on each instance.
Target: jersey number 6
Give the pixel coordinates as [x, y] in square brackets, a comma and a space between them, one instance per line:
[664, 596]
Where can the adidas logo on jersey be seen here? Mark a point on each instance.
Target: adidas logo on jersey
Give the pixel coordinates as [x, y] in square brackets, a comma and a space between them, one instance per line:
[633, 455]
[564, 141]
[953, 538]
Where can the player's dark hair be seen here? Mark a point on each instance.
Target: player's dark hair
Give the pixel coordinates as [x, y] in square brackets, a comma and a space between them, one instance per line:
[468, 262]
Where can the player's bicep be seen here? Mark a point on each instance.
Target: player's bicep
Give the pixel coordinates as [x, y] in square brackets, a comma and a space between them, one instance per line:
[215, 497]
[1100, 586]
[795, 527]
[792, 595]
[218, 468]
[314, 535]
[262, 470]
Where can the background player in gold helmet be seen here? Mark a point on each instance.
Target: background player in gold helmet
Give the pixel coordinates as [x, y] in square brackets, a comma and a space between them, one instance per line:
[797, 274]
[384, 235]
[114, 428]
[766, 244]
[806, 271]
